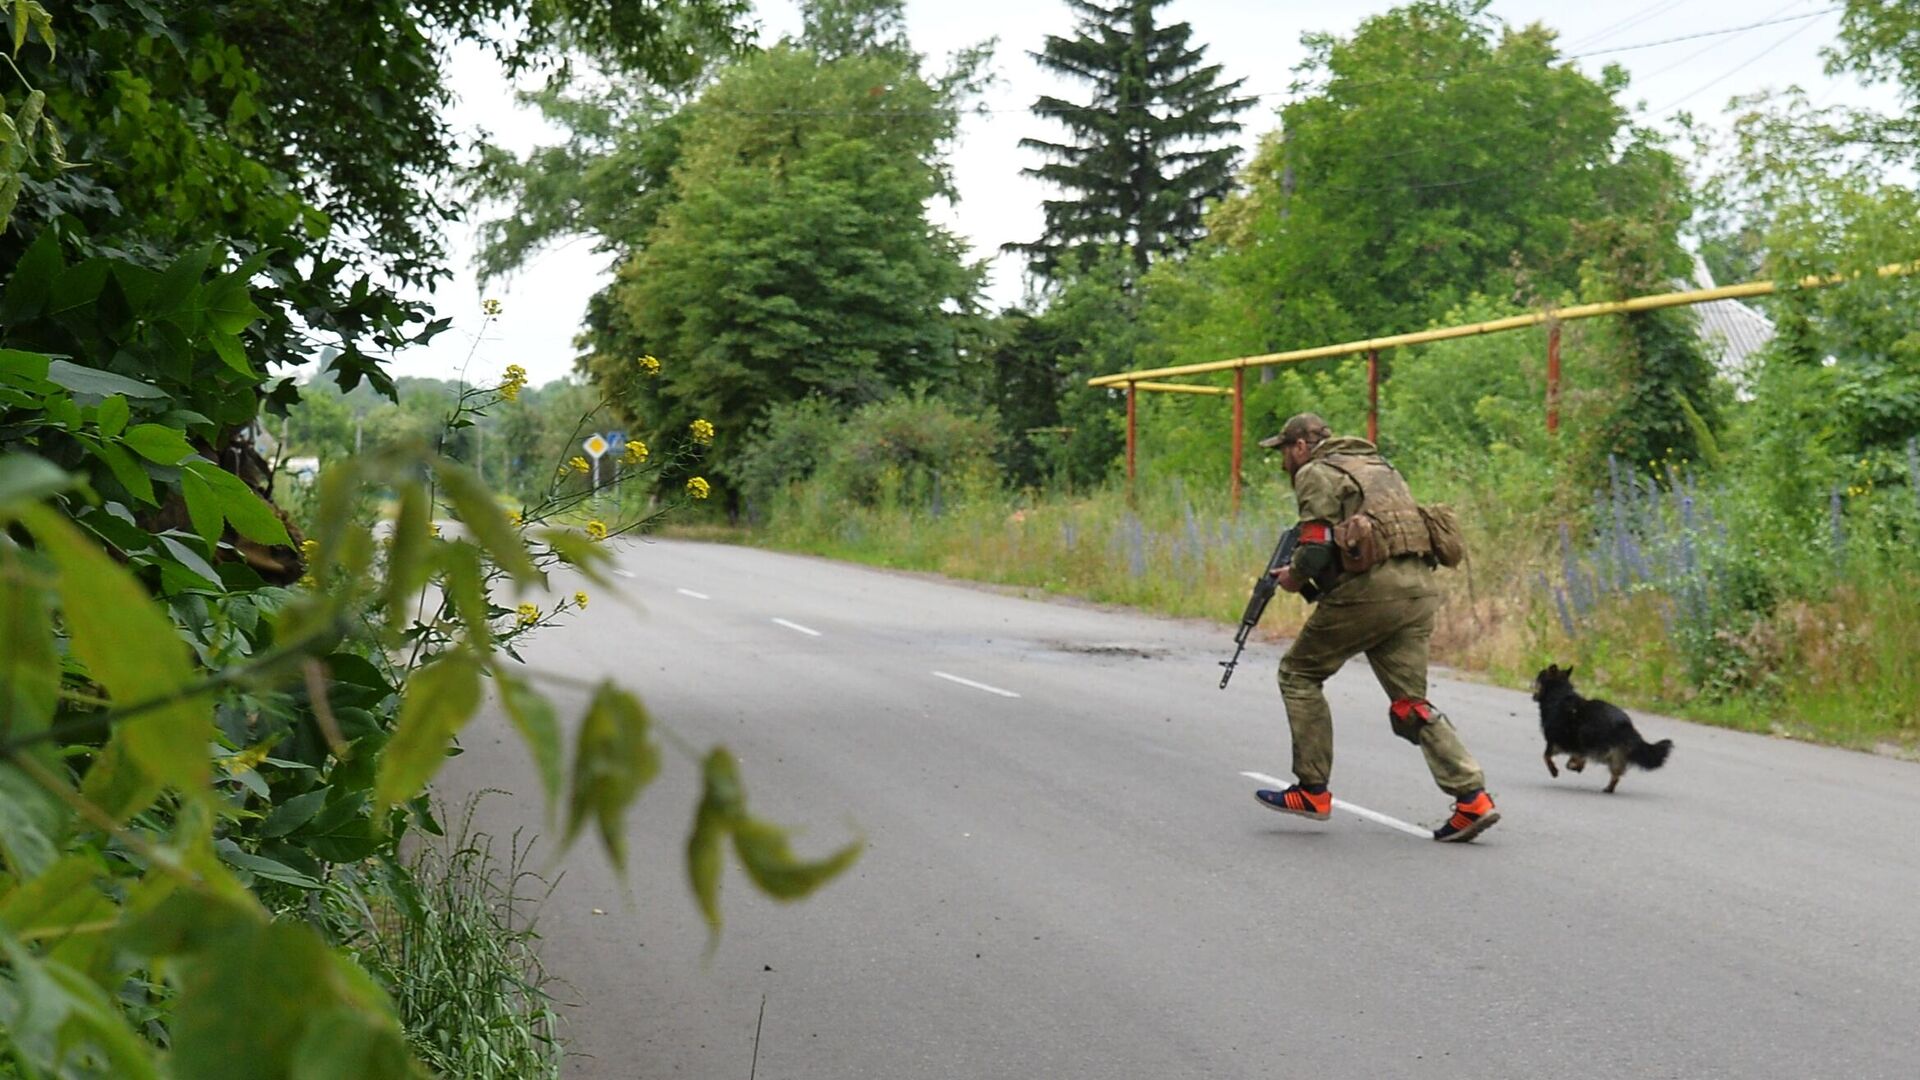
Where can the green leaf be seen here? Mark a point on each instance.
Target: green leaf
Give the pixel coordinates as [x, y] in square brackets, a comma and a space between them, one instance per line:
[117, 784]
[763, 850]
[248, 1005]
[355, 682]
[231, 353]
[56, 1016]
[344, 544]
[438, 699]
[130, 648]
[486, 521]
[25, 478]
[249, 514]
[342, 832]
[31, 822]
[29, 665]
[577, 551]
[177, 285]
[230, 306]
[129, 472]
[294, 813]
[159, 444]
[722, 804]
[202, 508]
[262, 867]
[112, 416]
[27, 369]
[466, 586]
[615, 757]
[343, 1045]
[32, 281]
[407, 559]
[533, 716]
[62, 896]
[190, 560]
[97, 383]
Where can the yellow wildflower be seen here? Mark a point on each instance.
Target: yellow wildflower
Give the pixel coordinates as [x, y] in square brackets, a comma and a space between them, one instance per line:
[580, 599]
[702, 432]
[513, 382]
[514, 517]
[308, 549]
[528, 614]
[699, 488]
[433, 528]
[635, 453]
[489, 307]
[578, 464]
[649, 365]
[596, 531]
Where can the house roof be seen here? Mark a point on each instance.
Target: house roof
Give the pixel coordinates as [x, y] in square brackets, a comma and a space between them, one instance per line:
[1732, 330]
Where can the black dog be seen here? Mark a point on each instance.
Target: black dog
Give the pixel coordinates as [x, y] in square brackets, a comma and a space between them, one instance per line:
[1580, 729]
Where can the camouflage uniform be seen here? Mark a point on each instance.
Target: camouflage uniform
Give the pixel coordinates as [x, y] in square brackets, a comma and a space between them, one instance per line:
[1386, 612]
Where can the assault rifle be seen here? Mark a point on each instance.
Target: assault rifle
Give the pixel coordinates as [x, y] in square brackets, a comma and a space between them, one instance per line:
[1262, 592]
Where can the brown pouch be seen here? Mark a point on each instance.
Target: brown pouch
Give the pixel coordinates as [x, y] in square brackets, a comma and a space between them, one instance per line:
[1361, 546]
[1443, 531]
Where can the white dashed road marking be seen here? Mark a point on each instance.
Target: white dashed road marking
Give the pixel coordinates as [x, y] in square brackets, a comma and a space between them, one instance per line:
[695, 595]
[794, 626]
[1374, 816]
[622, 573]
[976, 685]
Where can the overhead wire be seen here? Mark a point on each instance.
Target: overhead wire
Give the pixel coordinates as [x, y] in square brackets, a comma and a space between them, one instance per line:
[1645, 14]
[1696, 54]
[1354, 84]
[1729, 73]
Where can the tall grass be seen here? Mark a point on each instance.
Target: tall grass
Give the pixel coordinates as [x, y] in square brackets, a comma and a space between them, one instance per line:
[450, 935]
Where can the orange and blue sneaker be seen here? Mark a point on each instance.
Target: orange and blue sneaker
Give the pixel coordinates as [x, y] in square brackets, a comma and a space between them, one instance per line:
[1471, 817]
[1317, 805]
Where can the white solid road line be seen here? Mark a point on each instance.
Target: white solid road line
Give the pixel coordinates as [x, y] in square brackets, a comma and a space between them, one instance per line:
[1374, 816]
[793, 626]
[622, 573]
[695, 595]
[976, 685]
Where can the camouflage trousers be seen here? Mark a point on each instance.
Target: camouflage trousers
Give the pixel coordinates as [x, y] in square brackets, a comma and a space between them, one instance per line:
[1394, 635]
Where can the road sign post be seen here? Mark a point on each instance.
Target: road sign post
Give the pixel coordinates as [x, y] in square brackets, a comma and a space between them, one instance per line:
[595, 446]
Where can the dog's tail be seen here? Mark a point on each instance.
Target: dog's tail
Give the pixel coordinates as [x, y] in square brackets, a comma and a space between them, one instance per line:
[1649, 755]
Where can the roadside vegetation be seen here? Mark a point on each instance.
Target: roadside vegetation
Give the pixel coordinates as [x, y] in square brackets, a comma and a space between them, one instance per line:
[219, 713]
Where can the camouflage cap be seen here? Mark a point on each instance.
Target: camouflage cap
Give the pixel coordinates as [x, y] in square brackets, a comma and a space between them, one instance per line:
[1302, 426]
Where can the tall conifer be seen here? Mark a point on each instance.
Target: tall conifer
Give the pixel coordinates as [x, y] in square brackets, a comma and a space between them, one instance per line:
[1138, 162]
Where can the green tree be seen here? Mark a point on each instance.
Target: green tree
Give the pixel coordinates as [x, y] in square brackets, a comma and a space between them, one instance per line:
[1142, 157]
[796, 256]
[1430, 155]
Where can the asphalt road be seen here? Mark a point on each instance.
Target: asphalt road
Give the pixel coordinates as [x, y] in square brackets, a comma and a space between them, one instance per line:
[1077, 882]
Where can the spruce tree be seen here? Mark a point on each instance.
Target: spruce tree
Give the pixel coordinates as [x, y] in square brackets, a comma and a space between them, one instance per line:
[1137, 166]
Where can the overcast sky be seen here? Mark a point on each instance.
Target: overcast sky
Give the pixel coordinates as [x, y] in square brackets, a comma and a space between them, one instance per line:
[1255, 39]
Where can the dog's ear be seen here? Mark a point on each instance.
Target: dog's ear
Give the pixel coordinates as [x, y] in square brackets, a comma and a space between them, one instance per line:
[1567, 674]
[1552, 672]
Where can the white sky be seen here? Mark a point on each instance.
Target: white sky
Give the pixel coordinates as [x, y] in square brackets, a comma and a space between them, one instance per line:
[1257, 39]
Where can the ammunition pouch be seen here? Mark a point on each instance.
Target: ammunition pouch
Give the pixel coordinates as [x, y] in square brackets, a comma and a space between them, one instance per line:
[1449, 547]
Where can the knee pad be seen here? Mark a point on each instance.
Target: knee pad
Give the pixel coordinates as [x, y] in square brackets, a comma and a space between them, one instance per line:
[1409, 715]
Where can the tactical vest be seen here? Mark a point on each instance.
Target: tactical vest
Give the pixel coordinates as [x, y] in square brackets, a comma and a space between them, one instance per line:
[1387, 523]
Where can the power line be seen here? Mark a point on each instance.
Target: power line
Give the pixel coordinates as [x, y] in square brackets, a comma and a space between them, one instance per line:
[1725, 75]
[1448, 76]
[1612, 51]
[1660, 7]
[1695, 55]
